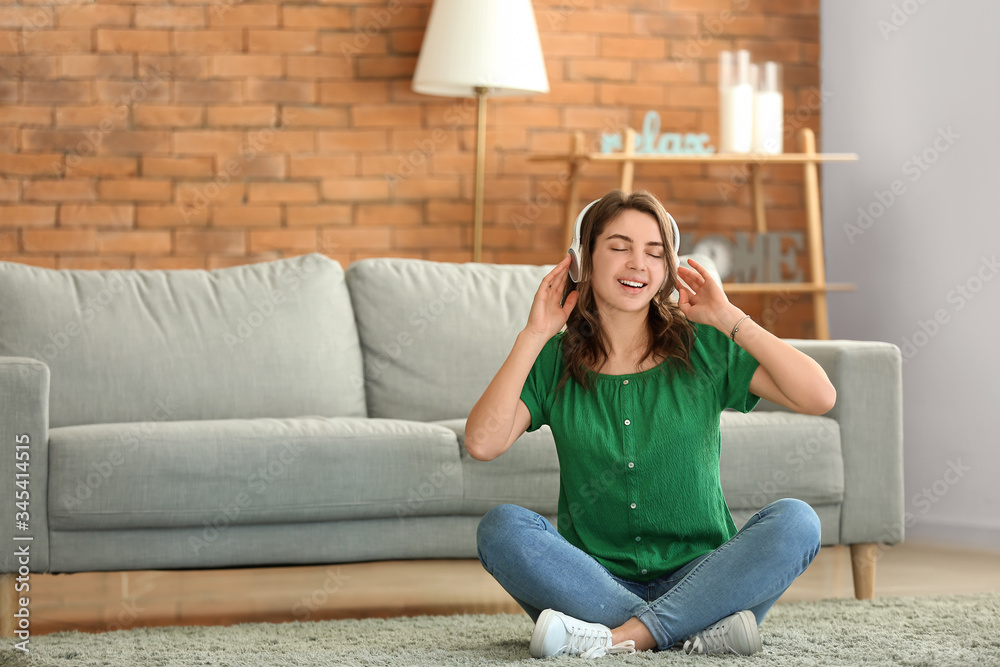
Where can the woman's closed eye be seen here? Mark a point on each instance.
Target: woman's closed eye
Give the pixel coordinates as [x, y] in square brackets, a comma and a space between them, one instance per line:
[648, 253]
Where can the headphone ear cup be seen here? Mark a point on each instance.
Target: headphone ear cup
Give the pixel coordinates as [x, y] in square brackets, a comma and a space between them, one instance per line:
[574, 264]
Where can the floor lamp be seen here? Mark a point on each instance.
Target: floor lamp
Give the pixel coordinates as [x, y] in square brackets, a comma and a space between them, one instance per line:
[481, 48]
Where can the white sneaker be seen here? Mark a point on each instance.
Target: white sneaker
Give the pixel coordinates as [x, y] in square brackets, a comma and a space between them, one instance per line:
[736, 634]
[558, 634]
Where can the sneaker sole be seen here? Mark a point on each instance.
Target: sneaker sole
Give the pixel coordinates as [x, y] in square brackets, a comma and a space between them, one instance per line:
[537, 637]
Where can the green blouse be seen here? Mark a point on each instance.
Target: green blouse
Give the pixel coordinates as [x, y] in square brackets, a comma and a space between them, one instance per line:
[639, 486]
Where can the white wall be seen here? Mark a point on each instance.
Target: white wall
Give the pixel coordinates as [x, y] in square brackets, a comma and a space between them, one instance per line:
[931, 87]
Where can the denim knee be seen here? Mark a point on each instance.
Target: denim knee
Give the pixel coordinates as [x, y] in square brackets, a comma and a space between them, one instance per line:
[495, 525]
[800, 521]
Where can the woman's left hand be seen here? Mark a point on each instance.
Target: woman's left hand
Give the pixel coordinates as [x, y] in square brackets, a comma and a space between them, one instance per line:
[710, 304]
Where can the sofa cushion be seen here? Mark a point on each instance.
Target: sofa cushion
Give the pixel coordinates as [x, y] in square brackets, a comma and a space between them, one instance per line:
[275, 339]
[257, 471]
[527, 474]
[434, 334]
[772, 455]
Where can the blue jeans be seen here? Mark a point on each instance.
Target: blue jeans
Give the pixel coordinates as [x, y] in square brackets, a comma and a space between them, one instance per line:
[541, 570]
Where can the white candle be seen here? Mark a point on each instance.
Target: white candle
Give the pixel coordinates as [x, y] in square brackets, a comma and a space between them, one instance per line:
[735, 103]
[768, 124]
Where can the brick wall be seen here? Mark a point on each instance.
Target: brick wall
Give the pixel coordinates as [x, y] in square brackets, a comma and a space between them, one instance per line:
[205, 134]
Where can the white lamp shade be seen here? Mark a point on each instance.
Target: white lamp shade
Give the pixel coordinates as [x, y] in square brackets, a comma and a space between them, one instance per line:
[481, 43]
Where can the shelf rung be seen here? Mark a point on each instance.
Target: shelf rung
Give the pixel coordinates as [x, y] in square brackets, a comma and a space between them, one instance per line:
[753, 288]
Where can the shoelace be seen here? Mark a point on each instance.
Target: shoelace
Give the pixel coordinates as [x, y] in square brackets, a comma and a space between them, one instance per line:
[709, 641]
[626, 647]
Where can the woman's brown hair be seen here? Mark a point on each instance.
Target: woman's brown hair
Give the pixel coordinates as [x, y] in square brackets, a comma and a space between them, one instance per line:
[584, 343]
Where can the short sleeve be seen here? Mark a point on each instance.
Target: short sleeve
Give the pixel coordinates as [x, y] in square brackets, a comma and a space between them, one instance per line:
[541, 382]
[740, 369]
[732, 368]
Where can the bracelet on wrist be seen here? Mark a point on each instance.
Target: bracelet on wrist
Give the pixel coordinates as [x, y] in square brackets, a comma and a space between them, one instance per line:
[736, 328]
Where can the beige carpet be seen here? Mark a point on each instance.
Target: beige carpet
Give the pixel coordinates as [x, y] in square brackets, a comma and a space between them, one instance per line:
[915, 632]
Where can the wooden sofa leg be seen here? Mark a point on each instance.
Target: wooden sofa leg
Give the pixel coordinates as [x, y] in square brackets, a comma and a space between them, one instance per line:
[8, 601]
[863, 558]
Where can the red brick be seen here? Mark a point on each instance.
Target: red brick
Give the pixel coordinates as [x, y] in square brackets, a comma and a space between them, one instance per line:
[619, 94]
[315, 17]
[281, 92]
[432, 237]
[571, 45]
[9, 93]
[350, 141]
[176, 215]
[101, 166]
[210, 92]
[246, 15]
[31, 165]
[85, 66]
[440, 212]
[388, 67]
[274, 193]
[59, 240]
[194, 142]
[222, 191]
[385, 115]
[406, 41]
[395, 165]
[282, 239]
[96, 215]
[603, 69]
[59, 190]
[316, 216]
[259, 165]
[135, 242]
[29, 67]
[8, 242]
[284, 141]
[175, 67]
[192, 241]
[242, 116]
[149, 115]
[282, 41]
[10, 189]
[133, 41]
[207, 41]
[165, 16]
[354, 92]
[667, 24]
[85, 16]
[22, 116]
[35, 216]
[423, 188]
[127, 94]
[306, 117]
[349, 45]
[59, 42]
[137, 189]
[640, 48]
[61, 92]
[246, 216]
[355, 237]
[355, 189]
[323, 166]
[123, 142]
[389, 214]
[318, 68]
[27, 18]
[243, 65]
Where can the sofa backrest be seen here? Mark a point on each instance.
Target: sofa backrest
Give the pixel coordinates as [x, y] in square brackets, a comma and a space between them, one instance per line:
[275, 339]
[434, 334]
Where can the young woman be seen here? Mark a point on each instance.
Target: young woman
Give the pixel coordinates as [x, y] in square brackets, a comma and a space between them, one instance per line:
[646, 554]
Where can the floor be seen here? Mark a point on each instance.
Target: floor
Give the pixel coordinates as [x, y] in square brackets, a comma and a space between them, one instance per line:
[101, 601]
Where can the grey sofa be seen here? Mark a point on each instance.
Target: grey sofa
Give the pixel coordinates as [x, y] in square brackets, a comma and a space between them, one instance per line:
[290, 412]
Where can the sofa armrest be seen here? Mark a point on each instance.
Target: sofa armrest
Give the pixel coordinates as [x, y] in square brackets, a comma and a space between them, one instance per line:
[24, 419]
[869, 410]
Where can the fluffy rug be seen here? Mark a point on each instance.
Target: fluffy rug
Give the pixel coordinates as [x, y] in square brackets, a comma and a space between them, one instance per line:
[932, 631]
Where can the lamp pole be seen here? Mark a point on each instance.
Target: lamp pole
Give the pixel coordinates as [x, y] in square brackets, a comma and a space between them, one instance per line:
[477, 228]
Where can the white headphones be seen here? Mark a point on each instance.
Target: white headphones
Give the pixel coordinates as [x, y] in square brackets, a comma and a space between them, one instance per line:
[576, 251]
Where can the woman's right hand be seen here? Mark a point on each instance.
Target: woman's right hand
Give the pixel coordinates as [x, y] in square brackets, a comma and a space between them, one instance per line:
[547, 317]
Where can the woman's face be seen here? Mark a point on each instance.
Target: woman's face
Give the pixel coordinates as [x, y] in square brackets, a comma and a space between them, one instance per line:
[629, 262]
